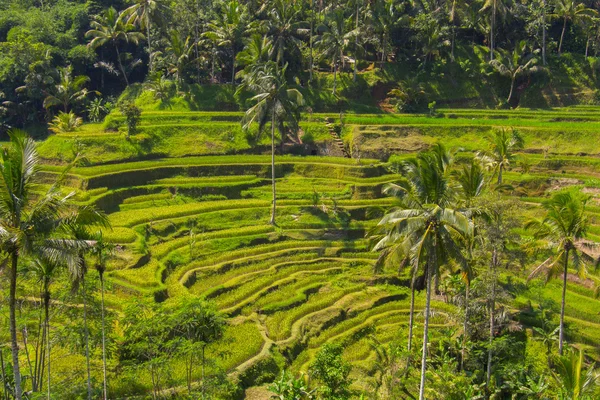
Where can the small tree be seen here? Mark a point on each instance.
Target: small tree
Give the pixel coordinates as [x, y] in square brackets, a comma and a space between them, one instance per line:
[65, 122]
[132, 115]
[333, 372]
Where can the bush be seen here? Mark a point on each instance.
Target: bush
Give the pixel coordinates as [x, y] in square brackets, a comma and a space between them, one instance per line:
[65, 122]
[132, 115]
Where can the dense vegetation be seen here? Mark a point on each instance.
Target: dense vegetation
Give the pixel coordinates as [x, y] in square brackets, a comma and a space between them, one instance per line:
[61, 56]
[244, 199]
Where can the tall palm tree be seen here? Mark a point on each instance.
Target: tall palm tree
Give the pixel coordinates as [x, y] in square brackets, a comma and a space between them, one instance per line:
[563, 228]
[334, 40]
[425, 229]
[108, 28]
[571, 10]
[82, 226]
[179, 51]
[495, 7]
[103, 251]
[284, 28]
[46, 271]
[471, 182]
[504, 144]
[144, 13]
[276, 103]
[228, 29]
[30, 224]
[69, 89]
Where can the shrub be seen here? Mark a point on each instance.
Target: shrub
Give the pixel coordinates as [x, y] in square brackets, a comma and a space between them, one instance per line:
[132, 115]
[65, 122]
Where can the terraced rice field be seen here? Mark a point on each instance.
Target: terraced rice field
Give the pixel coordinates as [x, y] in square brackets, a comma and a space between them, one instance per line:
[198, 226]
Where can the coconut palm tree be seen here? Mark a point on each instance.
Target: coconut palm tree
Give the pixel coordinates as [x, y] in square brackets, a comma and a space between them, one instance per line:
[82, 226]
[108, 28]
[515, 65]
[144, 13]
[563, 229]
[68, 90]
[256, 53]
[274, 102]
[228, 29]
[571, 10]
[284, 28]
[334, 40]
[45, 272]
[179, 51]
[424, 229]
[31, 223]
[471, 183]
[495, 7]
[102, 251]
[504, 144]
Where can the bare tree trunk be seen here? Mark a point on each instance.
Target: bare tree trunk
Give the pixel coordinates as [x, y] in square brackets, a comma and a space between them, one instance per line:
[3, 369]
[233, 67]
[334, 76]
[121, 65]
[312, 22]
[47, 323]
[425, 334]
[465, 328]
[544, 32]
[104, 383]
[150, 60]
[512, 86]
[203, 376]
[87, 341]
[356, 43]
[561, 335]
[12, 304]
[492, 27]
[411, 317]
[587, 47]
[492, 317]
[562, 35]
[25, 335]
[272, 222]
[500, 175]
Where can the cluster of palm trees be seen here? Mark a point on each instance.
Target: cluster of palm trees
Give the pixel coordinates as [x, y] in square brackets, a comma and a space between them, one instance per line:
[441, 222]
[213, 34]
[43, 231]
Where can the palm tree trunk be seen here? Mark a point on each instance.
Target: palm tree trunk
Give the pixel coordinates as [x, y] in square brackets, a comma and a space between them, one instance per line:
[544, 32]
[500, 168]
[356, 44]
[272, 222]
[492, 27]
[425, 334]
[87, 341]
[150, 66]
[411, 317]
[561, 335]
[47, 326]
[512, 86]
[334, 75]
[492, 317]
[587, 47]
[233, 68]
[203, 377]
[562, 35]
[465, 328]
[104, 383]
[121, 65]
[312, 22]
[3, 370]
[13, 326]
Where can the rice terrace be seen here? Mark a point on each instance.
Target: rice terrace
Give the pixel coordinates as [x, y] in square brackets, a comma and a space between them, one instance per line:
[239, 199]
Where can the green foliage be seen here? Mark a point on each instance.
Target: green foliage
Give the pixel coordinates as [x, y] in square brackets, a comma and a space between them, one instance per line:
[330, 369]
[132, 116]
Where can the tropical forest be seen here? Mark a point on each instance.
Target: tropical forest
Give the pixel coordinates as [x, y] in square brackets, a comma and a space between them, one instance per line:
[299, 199]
